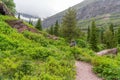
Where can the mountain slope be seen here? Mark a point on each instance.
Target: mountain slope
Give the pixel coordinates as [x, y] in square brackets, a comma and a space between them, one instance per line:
[88, 9]
[33, 56]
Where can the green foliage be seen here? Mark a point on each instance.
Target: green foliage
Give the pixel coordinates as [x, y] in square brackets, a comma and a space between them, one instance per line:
[88, 34]
[30, 22]
[93, 36]
[38, 24]
[10, 4]
[106, 67]
[32, 56]
[56, 29]
[109, 39]
[101, 39]
[51, 31]
[82, 43]
[69, 24]
[111, 28]
[118, 35]
[18, 15]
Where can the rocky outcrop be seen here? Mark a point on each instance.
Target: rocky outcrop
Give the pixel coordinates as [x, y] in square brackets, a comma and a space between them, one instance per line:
[113, 51]
[88, 9]
[4, 10]
[20, 26]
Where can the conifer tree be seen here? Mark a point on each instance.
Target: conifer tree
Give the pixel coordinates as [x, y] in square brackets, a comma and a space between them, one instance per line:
[88, 34]
[30, 22]
[108, 38]
[101, 35]
[93, 36]
[118, 35]
[56, 29]
[111, 28]
[18, 15]
[38, 24]
[51, 30]
[115, 39]
[69, 23]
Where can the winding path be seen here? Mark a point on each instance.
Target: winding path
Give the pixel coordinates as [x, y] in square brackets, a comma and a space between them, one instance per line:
[84, 71]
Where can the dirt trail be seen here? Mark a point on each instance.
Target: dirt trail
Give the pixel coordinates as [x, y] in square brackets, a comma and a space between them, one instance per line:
[84, 71]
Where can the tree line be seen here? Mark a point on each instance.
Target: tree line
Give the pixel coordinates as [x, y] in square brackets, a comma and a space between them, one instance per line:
[107, 37]
[68, 29]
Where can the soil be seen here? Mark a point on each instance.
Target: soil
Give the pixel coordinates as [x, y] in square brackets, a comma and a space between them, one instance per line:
[84, 71]
[20, 26]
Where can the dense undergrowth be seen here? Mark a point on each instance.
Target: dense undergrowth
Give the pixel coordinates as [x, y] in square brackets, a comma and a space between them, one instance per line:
[106, 67]
[32, 56]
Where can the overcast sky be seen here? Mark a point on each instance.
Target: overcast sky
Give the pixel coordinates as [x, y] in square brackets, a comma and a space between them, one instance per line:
[44, 8]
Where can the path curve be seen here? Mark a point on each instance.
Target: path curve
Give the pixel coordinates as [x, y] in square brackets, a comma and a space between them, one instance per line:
[84, 71]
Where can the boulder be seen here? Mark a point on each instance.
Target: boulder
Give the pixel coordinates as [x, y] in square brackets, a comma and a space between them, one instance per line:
[113, 51]
[72, 43]
[4, 10]
[52, 37]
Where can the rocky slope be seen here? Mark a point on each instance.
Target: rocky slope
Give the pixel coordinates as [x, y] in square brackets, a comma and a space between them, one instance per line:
[88, 9]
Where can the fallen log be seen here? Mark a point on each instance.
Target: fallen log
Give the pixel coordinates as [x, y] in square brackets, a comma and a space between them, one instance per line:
[113, 51]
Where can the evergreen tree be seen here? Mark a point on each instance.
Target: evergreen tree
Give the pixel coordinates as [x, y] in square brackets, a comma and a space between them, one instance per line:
[115, 39]
[93, 37]
[118, 35]
[101, 35]
[69, 24]
[10, 4]
[56, 29]
[88, 34]
[38, 24]
[111, 28]
[109, 39]
[18, 15]
[51, 30]
[30, 22]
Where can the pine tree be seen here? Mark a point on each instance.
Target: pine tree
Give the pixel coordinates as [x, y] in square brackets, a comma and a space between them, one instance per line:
[111, 28]
[18, 15]
[118, 35]
[56, 29]
[93, 37]
[108, 38]
[115, 39]
[51, 30]
[38, 24]
[30, 22]
[88, 34]
[101, 35]
[69, 23]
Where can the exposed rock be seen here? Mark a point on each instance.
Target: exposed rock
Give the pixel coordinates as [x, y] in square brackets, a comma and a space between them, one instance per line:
[88, 9]
[4, 10]
[20, 26]
[52, 37]
[73, 43]
[113, 51]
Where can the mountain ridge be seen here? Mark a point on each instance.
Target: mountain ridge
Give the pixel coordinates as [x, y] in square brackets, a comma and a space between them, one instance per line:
[87, 9]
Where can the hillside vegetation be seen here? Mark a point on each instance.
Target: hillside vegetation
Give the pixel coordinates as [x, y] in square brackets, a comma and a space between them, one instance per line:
[25, 56]
[30, 53]
[101, 21]
[32, 56]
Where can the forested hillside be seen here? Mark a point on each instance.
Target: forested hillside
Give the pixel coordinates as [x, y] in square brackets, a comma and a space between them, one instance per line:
[33, 56]
[30, 52]
[88, 9]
